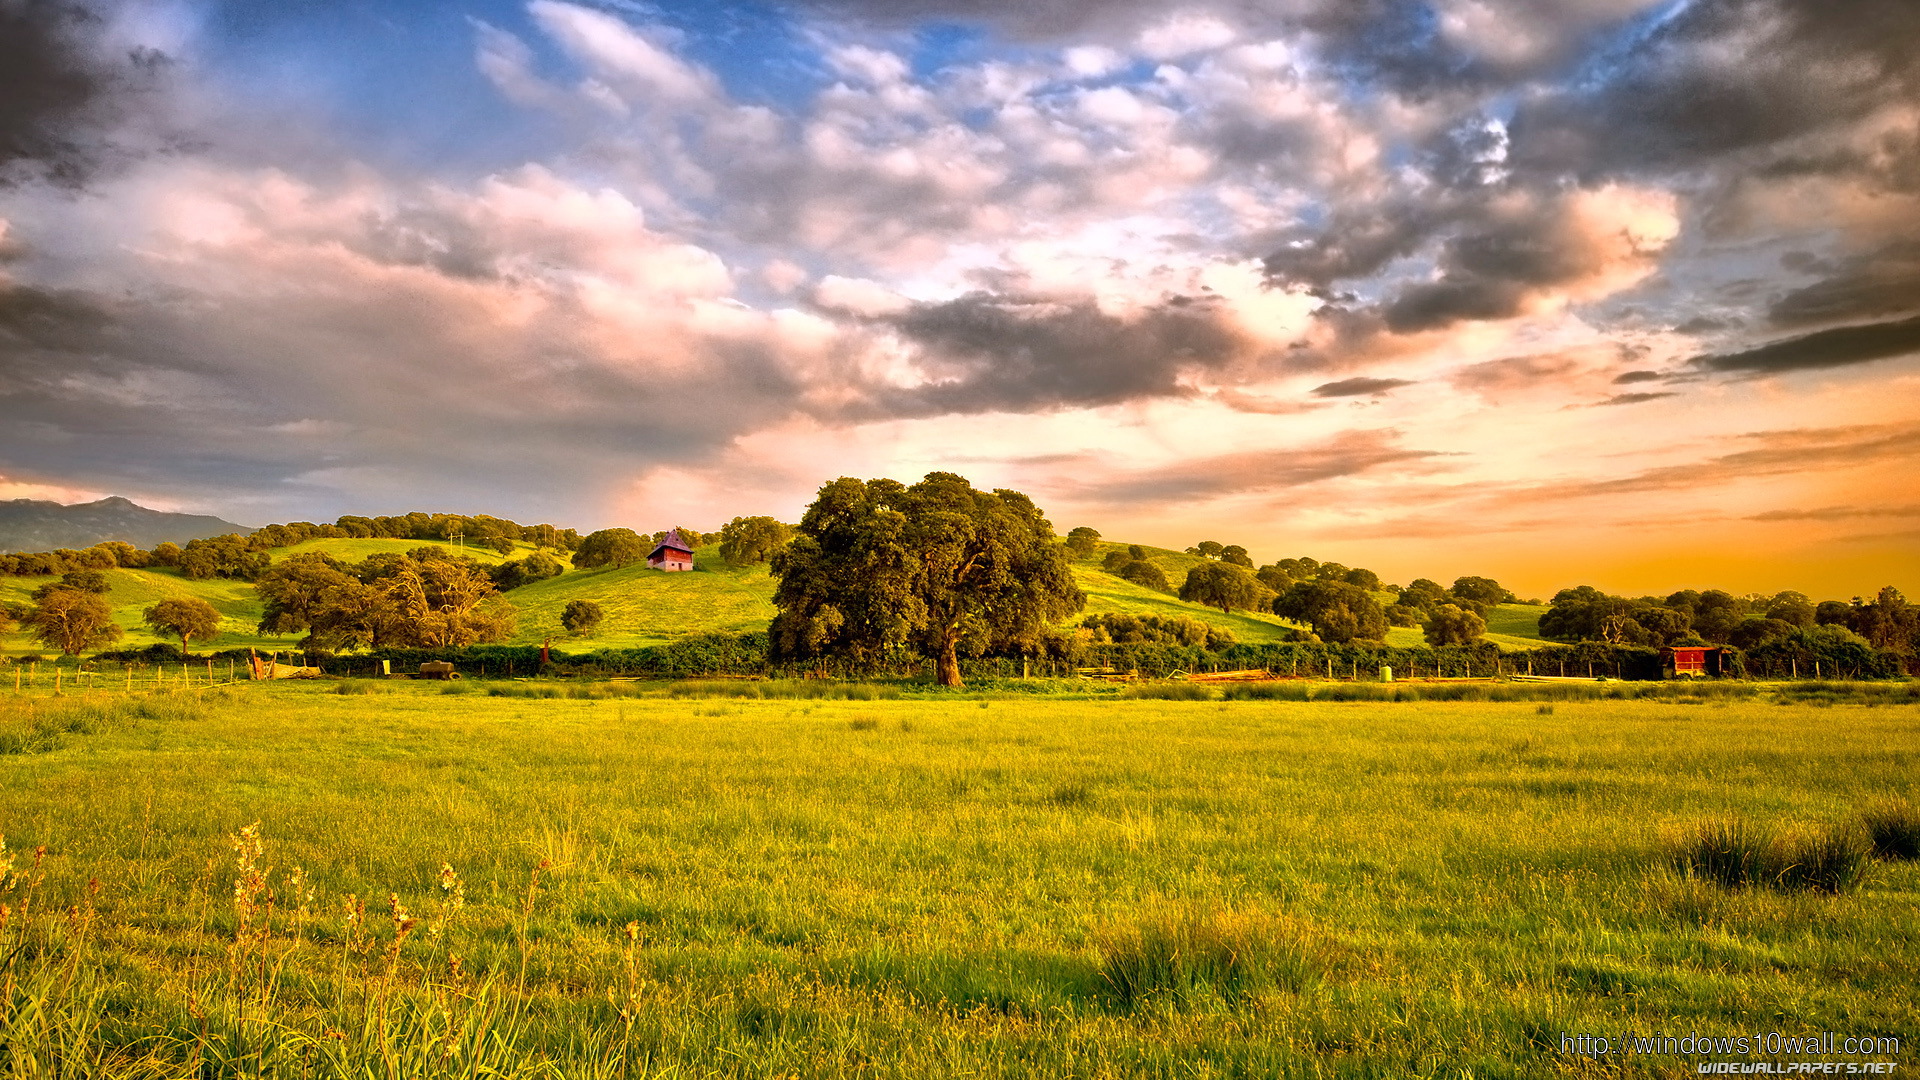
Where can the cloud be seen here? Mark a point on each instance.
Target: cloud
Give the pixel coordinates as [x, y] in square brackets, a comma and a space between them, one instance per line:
[1516, 373]
[1347, 454]
[1839, 347]
[1838, 513]
[1877, 284]
[1360, 386]
[1627, 378]
[62, 93]
[1262, 405]
[1634, 399]
[989, 351]
[1770, 453]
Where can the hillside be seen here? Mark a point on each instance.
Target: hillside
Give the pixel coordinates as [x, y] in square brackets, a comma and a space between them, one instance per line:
[36, 525]
[647, 607]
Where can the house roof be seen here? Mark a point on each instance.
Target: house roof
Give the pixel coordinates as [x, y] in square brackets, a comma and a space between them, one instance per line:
[670, 542]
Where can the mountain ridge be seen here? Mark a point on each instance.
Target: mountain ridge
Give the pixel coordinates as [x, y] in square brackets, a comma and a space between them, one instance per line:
[44, 525]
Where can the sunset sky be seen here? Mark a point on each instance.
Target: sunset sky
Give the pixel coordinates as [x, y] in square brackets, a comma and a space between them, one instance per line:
[1555, 291]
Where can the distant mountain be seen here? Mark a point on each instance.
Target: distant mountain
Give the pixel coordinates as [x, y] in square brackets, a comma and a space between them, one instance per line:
[32, 525]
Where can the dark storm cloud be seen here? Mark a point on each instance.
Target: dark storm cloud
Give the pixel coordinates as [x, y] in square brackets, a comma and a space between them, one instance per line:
[1671, 99]
[993, 351]
[1359, 387]
[1717, 94]
[1873, 285]
[58, 93]
[1349, 454]
[1840, 347]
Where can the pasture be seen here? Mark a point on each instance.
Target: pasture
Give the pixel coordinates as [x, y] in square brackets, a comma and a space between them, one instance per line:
[924, 884]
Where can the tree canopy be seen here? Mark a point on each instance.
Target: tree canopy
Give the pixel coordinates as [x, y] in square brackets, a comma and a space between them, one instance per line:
[748, 540]
[72, 621]
[186, 618]
[611, 547]
[1082, 541]
[1225, 586]
[1451, 624]
[581, 617]
[938, 566]
[1336, 611]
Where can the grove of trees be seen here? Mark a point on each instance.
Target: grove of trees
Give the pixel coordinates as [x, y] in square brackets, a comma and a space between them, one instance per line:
[426, 598]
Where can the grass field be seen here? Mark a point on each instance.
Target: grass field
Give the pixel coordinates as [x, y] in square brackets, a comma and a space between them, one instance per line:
[1024, 886]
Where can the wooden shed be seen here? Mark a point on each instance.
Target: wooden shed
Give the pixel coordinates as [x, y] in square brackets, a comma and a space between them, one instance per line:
[671, 553]
[1693, 662]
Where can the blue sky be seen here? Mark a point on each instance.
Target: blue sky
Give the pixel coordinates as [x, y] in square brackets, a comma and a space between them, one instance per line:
[1613, 276]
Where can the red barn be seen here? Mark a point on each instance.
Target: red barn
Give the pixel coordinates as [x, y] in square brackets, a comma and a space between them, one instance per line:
[1693, 661]
[671, 553]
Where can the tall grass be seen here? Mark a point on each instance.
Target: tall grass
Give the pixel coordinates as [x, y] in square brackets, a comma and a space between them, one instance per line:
[1184, 958]
[1893, 827]
[1736, 854]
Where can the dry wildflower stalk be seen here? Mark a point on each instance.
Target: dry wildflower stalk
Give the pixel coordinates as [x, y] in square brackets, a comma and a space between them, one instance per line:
[453, 897]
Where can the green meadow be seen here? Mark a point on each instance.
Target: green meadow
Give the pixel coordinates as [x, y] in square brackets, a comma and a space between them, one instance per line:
[656, 880]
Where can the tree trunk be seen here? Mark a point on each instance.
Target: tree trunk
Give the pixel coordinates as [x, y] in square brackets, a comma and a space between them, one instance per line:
[946, 666]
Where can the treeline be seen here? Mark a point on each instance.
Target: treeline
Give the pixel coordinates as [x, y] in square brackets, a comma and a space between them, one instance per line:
[1816, 653]
[245, 558]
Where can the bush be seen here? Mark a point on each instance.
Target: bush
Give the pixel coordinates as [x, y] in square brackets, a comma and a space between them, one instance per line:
[1893, 827]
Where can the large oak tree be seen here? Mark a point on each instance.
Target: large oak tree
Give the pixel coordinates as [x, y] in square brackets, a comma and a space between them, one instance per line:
[937, 566]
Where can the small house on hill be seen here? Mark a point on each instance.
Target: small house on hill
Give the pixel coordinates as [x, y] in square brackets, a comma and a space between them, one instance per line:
[671, 553]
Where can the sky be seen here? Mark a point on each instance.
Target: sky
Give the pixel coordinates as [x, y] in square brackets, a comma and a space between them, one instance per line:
[1614, 292]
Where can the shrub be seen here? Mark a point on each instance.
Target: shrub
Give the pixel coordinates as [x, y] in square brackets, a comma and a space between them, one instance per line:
[1893, 827]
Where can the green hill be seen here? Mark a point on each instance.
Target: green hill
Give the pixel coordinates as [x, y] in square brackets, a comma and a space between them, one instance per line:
[646, 607]
[131, 592]
[356, 550]
[649, 607]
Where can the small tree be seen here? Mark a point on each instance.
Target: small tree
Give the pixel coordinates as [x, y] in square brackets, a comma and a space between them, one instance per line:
[1146, 575]
[72, 621]
[610, 547]
[1082, 542]
[1237, 555]
[1451, 624]
[1225, 586]
[581, 617]
[185, 619]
